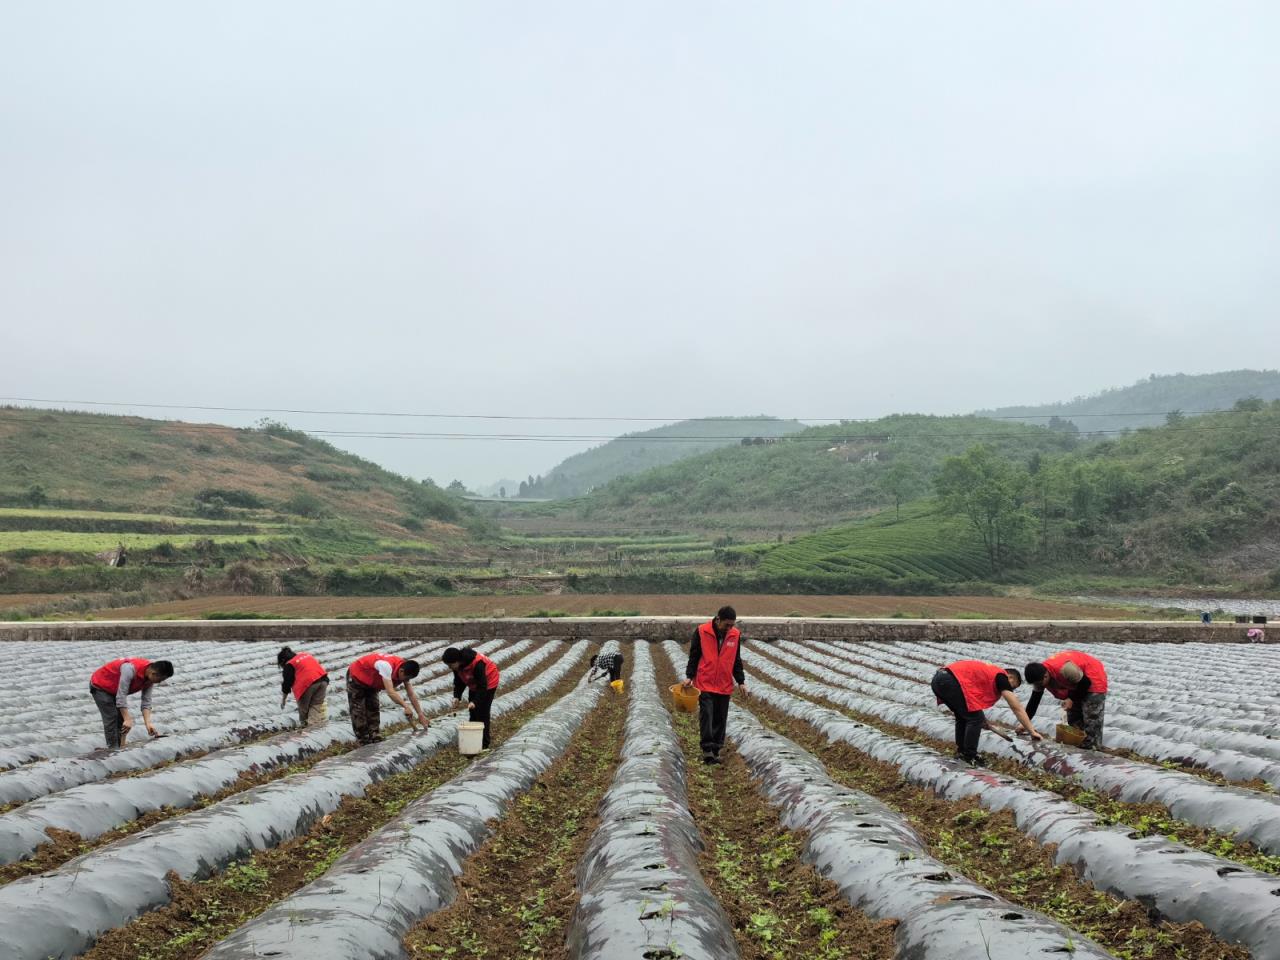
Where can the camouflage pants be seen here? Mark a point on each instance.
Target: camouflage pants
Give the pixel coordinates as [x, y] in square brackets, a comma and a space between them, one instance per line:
[311, 706]
[366, 712]
[1087, 713]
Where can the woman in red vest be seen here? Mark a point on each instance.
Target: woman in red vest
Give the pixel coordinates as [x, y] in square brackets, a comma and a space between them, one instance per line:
[302, 675]
[969, 687]
[111, 685]
[478, 675]
[715, 668]
[367, 677]
[1080, 681]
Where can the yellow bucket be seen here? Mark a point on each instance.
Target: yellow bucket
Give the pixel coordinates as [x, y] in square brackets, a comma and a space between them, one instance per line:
[617, 685]
[686, 700]
[1069, 735]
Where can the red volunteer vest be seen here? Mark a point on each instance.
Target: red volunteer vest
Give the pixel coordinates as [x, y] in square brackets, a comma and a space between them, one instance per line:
[363, 670]
[715, 668]
[1092, 667]
[467, 673]
[107, 676]
[978, 681]
[306, 671]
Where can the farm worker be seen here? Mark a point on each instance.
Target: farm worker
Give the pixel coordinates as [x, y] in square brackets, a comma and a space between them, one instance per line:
[370, 675]
[1080, 682]
[715, 668]
[609, 665]
[968, 687]
[479, 675]
[302, 675]
[114, 682]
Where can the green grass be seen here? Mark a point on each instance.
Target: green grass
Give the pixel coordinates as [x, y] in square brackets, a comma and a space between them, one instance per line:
[58, 541]
[113, 515]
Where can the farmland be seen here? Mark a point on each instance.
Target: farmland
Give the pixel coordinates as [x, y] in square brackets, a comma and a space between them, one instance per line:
[838, 825]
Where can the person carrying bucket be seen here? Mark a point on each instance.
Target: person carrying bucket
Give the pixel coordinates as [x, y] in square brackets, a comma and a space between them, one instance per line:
[969, 687]
[302, 675]
[609, 665]
[367, 677]
[1080, 682]
[478, 675]
[715, 668]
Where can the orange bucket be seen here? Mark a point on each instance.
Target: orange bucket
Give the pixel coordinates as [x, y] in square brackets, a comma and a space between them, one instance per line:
[686, 700]
[1068, 735]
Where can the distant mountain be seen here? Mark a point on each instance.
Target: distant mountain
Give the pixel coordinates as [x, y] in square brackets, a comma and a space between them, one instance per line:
[1147, 403]
[635, 453]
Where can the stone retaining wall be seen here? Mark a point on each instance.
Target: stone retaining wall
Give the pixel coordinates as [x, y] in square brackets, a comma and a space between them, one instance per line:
[623, 628]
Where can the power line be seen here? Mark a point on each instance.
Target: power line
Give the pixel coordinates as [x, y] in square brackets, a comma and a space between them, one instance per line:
[575, 418]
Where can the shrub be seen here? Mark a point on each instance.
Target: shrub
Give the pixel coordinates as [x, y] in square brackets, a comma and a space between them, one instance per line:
[304, 503]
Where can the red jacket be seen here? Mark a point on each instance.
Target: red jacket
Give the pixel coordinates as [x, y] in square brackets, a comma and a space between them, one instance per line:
[362, 669]
[715, 666]
[306, 671]
[489, 670]
[107, 676]
[1060, 687]
[978, 681]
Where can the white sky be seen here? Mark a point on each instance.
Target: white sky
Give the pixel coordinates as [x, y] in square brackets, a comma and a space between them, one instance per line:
[662, 209]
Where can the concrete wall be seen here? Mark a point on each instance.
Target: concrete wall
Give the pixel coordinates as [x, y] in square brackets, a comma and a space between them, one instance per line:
[653, 628]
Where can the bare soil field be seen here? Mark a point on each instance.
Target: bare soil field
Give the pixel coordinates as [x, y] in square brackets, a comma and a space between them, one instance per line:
[748, 605]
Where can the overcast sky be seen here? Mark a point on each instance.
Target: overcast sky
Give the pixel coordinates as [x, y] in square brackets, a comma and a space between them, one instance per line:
[653, 209]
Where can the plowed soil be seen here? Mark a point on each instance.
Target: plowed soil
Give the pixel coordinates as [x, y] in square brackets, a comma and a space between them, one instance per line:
[581, 604]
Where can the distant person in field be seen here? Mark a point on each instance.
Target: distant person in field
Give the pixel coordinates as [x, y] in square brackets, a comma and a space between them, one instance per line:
[302, 675]
[1080, 682]
[367, 677]
[969, 687]
[609, 665]
[715, 668]
[111, 686]
[478, 675]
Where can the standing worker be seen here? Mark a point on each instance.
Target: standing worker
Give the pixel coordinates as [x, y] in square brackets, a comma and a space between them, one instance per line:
[479, 676]
[1080, 681]
[968, 687]
[609, 665]
[111, 686]
[715, 668]
[370, 675]
[302, 675]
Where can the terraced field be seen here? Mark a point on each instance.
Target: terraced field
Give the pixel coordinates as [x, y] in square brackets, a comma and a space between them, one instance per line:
[839, 826]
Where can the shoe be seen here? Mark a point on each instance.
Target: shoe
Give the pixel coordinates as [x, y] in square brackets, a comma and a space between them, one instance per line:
[709, 758]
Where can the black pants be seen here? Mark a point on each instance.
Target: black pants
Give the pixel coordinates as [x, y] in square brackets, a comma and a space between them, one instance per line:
[112, 721]
[615, 669]
[482, 701]
[969, 723]
[713, 717]
[366, 711]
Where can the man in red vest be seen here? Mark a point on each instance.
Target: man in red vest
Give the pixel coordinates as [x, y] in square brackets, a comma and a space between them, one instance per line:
[1080, 681]
[111, 685]
[302, 675]
[478, 675]
[715, 668]
[367, 677]
[969, 687]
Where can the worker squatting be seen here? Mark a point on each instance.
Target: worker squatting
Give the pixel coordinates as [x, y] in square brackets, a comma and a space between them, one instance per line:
[966, 687]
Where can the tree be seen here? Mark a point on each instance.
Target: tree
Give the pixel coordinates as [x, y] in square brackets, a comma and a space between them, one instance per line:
[901, 482]
[989, 492]
[36, 496]
[1249, 405]
[524, 489]
[502, 492]
[1174, 418]
[457, 488]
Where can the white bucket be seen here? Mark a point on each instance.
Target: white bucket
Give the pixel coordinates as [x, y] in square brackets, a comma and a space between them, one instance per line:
[470, 738]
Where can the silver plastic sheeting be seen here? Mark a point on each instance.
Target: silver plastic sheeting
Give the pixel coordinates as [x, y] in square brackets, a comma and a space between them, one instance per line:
[60, 914]
[366, 903]
[642, 895]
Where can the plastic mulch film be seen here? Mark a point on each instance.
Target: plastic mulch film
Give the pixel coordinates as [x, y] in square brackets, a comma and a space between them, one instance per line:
[642, 895]
[61, 913]
[367, 902]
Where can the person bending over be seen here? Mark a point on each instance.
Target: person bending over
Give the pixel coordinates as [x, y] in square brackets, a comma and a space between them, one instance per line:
[969, 687]
[367, 677]
[111, 686]
[478, 675]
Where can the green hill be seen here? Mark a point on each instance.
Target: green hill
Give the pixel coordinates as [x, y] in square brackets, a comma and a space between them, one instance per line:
[1148, 402]
[807, 479]
[634, 453]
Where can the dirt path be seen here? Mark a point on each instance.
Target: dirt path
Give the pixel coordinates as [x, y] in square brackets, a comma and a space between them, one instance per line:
[781, 909]
[523, 605]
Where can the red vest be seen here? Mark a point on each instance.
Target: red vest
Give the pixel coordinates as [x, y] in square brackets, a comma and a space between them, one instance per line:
[306, 671]
[978, 681]
[363, 670]
[467, 673]
[1056, 684]
[715, 668]
[107, 677]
